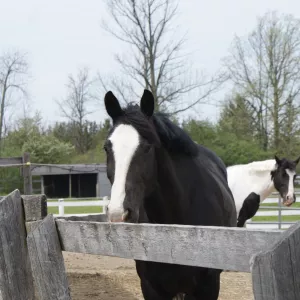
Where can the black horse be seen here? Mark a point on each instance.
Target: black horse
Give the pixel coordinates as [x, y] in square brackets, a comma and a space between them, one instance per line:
[159, 175]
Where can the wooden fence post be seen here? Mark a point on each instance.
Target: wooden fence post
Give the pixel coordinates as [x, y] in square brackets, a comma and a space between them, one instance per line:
[47, 261]
[44, 249]
[16, 280]
[27, 174]
[35, 210]
[276, 272]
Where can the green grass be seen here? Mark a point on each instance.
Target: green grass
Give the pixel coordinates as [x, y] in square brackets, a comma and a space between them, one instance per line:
[77, 210]
[275, 219]
[297, 204]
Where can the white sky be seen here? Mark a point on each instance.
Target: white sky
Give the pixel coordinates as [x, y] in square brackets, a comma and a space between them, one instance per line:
[61, 36]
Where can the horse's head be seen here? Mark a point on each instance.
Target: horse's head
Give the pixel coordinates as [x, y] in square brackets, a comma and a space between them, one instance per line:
[130, 156]
[284, 178]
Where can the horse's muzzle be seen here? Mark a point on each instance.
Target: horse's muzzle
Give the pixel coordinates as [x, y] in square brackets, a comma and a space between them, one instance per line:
[288, 201]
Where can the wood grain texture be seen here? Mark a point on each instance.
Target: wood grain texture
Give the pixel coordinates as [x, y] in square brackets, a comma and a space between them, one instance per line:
[47, 262]
[35, 207]
[16, 281]
[32, 225]
[276, 271]
[217, 247]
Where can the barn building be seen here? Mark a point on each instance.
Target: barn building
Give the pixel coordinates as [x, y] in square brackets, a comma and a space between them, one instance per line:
[75, 180]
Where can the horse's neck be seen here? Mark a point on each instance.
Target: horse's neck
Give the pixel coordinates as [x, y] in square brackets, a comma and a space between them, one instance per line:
[267, 191]
[263, 183]
[164, 203]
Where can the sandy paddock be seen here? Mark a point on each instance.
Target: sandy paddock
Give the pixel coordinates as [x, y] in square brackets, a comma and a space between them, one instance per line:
[94, 277]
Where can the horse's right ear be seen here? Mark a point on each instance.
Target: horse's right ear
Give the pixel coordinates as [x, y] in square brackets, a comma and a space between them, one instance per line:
[147, 103]
[278, 160]
[112, 105]
[297, 160]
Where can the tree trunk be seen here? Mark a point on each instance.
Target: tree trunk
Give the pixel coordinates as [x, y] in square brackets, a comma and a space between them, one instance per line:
[276, 121]
[2, 108]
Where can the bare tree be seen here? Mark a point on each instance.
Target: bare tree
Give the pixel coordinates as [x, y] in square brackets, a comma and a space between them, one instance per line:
[156, 60]
[265, 67]
[76, 106]
[290, 129]
[13, 70]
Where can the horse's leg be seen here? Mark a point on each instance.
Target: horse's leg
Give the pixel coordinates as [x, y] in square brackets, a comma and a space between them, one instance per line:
[150, 293]
[249, 209]
[207, 287]
[151, 290]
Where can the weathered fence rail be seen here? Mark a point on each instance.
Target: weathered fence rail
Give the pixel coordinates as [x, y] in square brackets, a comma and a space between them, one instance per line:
[213, 247]
[273, 257]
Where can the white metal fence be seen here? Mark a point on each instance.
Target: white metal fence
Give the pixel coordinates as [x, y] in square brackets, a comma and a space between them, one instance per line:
[276, 210]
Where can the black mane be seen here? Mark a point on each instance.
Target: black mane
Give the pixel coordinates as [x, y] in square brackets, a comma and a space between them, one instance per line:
[159, 130]
[174, 138]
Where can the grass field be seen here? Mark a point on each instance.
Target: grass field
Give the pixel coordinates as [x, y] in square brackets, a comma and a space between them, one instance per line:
[274, 218]
[76, 209]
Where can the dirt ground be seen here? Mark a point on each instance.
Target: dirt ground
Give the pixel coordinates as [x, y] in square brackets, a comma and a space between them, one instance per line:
[109, 278]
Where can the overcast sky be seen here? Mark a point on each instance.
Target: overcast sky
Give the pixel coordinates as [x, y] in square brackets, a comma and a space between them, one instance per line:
[62, 35]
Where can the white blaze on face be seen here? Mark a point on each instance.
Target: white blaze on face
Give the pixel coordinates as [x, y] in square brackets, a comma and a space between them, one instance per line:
[125, 140]
[290, 193]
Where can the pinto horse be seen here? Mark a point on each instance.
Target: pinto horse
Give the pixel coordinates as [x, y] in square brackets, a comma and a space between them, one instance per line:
[159, 175]
[252, 183]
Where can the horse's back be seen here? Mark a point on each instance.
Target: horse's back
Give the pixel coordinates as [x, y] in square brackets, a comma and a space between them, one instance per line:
[214, 158]
[206, 189]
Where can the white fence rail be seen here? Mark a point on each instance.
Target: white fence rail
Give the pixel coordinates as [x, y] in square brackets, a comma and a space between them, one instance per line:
[61, 204]
[276, 210]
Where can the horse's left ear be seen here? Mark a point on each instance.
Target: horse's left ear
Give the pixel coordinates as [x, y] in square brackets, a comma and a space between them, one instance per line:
[147, 103]
[112, 105]
[278, 160]
[297, 160]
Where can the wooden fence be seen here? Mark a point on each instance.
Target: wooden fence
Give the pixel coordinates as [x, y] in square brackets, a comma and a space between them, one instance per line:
[32, 242]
